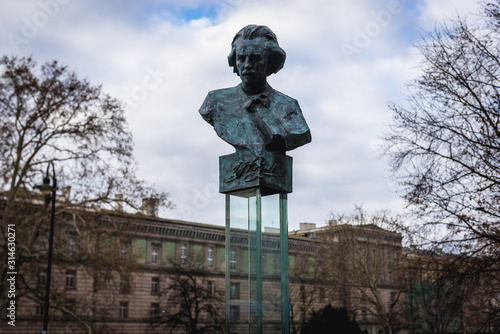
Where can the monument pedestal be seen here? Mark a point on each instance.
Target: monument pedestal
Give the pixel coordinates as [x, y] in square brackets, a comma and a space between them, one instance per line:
[261, 124]
[257, 295]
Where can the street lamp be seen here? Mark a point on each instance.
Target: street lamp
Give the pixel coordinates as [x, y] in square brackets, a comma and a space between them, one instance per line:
[46, 188]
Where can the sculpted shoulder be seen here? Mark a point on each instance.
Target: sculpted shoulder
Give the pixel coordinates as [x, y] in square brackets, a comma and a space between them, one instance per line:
[285, 98]
[209, 106]
[288, 109]
[222, 94]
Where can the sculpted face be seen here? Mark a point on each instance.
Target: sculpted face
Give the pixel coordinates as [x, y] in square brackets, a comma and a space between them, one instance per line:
[251, 64]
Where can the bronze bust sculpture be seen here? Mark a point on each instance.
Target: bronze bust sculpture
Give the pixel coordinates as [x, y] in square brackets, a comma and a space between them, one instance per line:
[260, 122]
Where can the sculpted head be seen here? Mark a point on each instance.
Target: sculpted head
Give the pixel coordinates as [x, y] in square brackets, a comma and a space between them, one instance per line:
[257, 40]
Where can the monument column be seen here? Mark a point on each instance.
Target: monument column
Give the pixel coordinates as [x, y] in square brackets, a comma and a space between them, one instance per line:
[261, 124]
[257, 298]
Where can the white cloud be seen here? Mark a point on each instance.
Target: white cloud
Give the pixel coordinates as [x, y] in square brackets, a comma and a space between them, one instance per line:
[120, 44]
[439, 10]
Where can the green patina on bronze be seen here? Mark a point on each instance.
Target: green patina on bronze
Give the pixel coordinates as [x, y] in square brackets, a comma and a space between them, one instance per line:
[258, 121]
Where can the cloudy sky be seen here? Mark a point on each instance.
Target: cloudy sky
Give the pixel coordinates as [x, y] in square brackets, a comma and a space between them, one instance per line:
[346, 60]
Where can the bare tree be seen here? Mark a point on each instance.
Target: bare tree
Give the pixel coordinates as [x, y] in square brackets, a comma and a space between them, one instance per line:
[367, 267]
[310, 283]
[444, 297]
[436, 301]
[193, 303]
[48, 114]
[90, 252]
[444, 144]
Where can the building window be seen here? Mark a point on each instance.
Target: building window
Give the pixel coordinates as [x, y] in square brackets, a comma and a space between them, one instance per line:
[234, 312]
[69, 305]
[211, 313]
[321, 294]
[184, 285]
[42, 278]
[154, 255]
[155, 310]
[123, 310]
[155, 252]
[211, 288]
[125, 250]
[43, 243]
[302, 292]
[210, 257]
[155, 284]
[389, 275]
[234, 290]
[183, 309]
[70, 279]
[71, 245]
[39, 310]
[124, 284]
[232, 259]
[183, 254]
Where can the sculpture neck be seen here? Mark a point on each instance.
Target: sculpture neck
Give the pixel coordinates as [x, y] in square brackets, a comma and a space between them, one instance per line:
[250, 89]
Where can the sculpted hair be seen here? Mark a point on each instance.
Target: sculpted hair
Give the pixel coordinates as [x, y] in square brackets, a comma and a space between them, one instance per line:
[275, 54]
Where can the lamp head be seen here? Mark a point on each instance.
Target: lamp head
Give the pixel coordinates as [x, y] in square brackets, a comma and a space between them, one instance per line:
[46, 188]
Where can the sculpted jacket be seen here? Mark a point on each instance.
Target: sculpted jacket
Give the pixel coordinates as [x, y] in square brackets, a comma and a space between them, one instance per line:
[267, 122]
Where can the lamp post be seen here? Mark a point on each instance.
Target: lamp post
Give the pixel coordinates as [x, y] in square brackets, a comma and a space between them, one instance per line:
[46, 188]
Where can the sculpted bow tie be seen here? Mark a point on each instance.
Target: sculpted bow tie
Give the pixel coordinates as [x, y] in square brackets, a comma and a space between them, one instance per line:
[255, 101]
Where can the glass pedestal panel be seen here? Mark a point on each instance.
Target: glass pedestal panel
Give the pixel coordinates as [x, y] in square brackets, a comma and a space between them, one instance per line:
[257, 299]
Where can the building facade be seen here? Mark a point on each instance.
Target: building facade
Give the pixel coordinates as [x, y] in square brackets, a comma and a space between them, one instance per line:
[137, 273]
[363, 267]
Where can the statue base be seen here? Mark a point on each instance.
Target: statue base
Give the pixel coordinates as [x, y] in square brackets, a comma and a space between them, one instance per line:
[241, 171]
[256, 189]
[257, 282]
